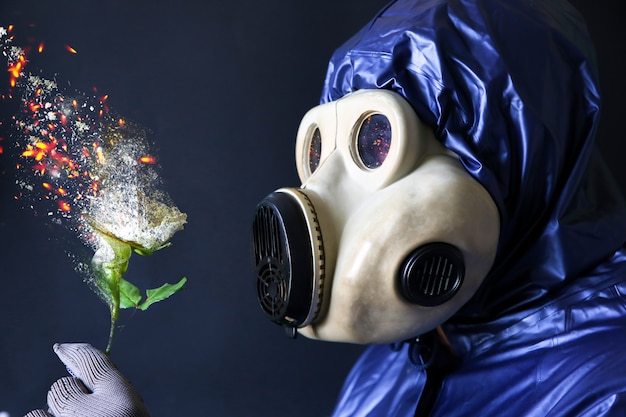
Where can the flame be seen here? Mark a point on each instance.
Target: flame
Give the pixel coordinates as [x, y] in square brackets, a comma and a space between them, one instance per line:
[100, 155]
[16, 69]
[147, 159]
[45, 146]
[70, 49]
[64, 206]
[40, 48]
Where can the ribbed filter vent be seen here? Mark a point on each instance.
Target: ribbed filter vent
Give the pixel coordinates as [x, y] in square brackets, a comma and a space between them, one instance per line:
[437, 276]
[272, 273]
[283, 260]
[432, 274]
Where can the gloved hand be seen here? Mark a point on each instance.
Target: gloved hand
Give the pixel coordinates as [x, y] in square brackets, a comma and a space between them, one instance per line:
[95, 389]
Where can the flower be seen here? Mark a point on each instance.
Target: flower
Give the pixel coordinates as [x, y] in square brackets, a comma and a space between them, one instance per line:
[93, 172]
[128, 215]
[126, 212]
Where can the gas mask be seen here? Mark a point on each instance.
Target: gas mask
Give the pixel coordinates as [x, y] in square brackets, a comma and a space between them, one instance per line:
[386, 238]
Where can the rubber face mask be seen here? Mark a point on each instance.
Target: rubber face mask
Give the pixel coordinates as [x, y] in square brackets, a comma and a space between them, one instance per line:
[386, 238]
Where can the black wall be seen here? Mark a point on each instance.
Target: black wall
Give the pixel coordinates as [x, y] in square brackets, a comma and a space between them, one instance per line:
[223, 85]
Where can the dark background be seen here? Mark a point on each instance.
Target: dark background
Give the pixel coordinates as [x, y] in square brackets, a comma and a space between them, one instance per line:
[223, 86]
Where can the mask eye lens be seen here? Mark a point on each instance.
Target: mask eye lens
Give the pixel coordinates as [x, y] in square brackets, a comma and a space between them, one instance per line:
[374, 140]
[315, 150]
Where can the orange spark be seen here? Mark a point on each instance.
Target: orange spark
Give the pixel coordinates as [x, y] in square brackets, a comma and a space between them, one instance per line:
[121, 122]
[147, 159]
[40, 48]
[45, 146]
[64, 206]
[15, 69]
[47, 186]
[41, 168]
[100, 155]
[70, 49]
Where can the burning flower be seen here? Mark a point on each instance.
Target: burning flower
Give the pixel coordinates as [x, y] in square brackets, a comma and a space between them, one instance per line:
[143, 225]
[127, 214]
[93, 172]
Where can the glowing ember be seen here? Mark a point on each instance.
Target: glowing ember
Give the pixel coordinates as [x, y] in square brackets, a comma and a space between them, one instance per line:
[147, 159]
[64, 206]
[93, 172]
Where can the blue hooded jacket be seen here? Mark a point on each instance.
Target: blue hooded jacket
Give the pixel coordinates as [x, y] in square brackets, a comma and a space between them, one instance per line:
[511, 86]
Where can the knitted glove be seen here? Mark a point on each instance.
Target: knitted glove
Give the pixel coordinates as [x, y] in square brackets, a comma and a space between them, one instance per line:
[38, 413]
[95, 389]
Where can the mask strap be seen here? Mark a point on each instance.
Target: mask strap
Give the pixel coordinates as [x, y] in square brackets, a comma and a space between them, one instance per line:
[433, 354]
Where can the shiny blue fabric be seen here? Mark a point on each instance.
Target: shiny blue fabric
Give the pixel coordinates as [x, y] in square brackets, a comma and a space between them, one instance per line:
[511, 87]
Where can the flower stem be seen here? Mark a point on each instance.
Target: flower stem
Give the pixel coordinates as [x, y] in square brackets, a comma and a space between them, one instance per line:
[111, 335]
[115, 310]
[109, 274]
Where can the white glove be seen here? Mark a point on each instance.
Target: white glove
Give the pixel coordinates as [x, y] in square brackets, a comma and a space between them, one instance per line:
[96, 388]
[38, 413]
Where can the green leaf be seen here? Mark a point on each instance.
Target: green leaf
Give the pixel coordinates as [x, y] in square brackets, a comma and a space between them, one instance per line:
[147, 251]
[130, 296]
[159, 294]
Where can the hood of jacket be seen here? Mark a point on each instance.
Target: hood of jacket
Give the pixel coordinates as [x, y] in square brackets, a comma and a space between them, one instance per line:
[512, 88]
